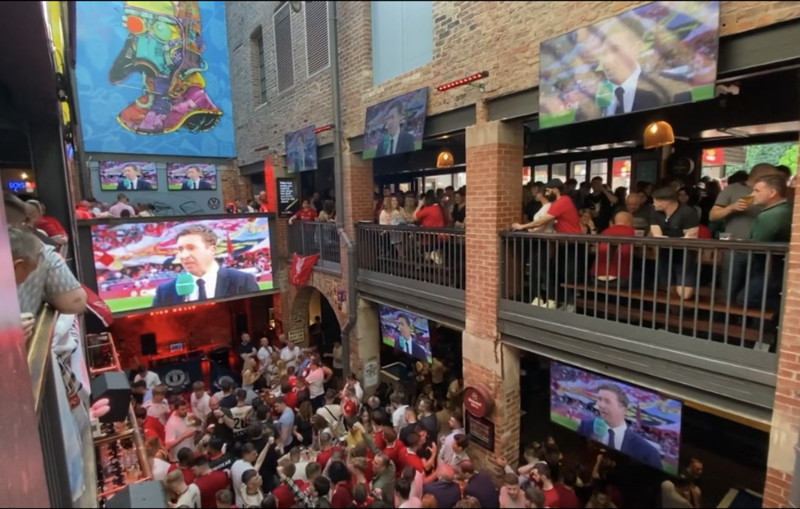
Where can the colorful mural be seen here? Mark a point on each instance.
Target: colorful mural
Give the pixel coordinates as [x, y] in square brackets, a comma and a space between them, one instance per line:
[153, 78]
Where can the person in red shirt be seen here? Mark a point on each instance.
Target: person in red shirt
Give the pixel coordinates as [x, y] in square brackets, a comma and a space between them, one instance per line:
[566, 492]
[570, 255]
[411, 458]
[429, 212]
[82, 211]
[289, 395]
[328, 449]
[185, 464]
[541, 477]
[150, 426]
[283, 493]
[339, 475]
[209, 482]
[306, 213]
[614, 262]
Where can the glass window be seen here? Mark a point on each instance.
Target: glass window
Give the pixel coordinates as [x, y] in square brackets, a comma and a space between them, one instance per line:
[461, 180]
[578, 171]
[526, 174]
[621, 173]
[559, 171]
[599, 168]
[540, 173]
[402, 38]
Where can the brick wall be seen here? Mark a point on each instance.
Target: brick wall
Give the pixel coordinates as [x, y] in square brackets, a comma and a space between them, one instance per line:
[786, 413]
[235, 187]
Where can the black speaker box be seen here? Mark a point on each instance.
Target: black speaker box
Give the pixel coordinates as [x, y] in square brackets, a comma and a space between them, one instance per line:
[117, 389]
[149, 344]
[144, 495]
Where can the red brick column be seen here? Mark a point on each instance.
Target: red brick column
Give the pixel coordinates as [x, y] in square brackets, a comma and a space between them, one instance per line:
[786, 414]
[494, 181]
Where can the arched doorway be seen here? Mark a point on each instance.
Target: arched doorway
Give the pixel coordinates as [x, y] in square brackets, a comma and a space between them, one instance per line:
[314, 321]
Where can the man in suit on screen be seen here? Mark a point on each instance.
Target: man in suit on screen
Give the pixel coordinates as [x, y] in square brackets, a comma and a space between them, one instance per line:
[408, 342]
[203, 278]
[612, 430]
[132, 181]
[194, 180]
[396, 140]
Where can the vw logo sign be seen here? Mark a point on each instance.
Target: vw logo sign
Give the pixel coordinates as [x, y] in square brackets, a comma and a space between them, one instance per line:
[176, 378]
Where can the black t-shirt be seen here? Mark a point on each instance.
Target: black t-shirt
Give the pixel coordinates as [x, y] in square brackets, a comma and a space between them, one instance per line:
[602, 207]
[406, 431]
[532, 208]
[249, 347]
[459, 214]
[224, 462]
[684, 218]
[221, 430]
[431, 424]
[228, 401]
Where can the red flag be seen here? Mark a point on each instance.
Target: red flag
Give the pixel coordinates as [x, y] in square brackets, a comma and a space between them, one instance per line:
[271, 204]
[230, 244]
[98, 307]
[301, 268]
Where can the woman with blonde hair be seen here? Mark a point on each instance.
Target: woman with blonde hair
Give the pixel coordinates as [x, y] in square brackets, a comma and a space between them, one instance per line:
[250, 373]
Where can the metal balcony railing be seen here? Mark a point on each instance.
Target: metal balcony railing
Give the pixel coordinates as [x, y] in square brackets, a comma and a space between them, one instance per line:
[309, 238]
[724, 291]
[428, 255]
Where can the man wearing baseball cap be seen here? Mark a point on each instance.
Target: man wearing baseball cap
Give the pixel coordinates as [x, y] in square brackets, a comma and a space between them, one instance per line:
[562, 211]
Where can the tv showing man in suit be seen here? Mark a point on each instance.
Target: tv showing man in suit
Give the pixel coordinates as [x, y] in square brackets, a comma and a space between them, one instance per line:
[656, 55]
[612, 430]
[194, 180]
[397, 140]
[202, 278]
[407, 341]
[131, 180]
[406, 332]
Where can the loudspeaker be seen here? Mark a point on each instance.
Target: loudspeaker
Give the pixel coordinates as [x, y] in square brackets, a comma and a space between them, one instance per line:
[149, 343]
[117, 389]
[148, 494]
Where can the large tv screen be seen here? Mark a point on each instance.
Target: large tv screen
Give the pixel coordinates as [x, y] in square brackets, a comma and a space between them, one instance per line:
[406, 332]
[191, 177]
[165, 263]
[127, 176]
[656, 55]
[396, 126]
[301, 150]
[637, 422]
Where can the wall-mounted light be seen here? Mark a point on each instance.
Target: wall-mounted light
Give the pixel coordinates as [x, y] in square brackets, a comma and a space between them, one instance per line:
[658, 134]
[445, 159]
[463, 81]
[323, 128]
[24, 176]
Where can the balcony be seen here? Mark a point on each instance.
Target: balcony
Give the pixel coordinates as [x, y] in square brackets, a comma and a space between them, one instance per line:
[424, 267]
[695, 318]
[309, 238]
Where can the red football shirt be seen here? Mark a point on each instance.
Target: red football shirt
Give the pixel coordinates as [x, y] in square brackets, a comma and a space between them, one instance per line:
[209, 485]
[614, 261]
[306, 214]
[567, 218]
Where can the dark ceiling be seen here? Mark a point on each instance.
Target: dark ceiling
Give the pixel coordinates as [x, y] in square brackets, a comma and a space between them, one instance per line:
[25, 68]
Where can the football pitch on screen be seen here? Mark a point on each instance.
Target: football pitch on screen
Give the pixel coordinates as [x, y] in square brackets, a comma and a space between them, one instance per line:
[146, 301]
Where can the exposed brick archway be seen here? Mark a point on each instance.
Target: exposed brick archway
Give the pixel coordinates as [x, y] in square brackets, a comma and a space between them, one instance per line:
[328, 288]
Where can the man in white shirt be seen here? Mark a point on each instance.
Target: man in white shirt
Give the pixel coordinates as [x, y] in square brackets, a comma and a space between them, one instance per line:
[200, 401]
[249, 458]
[149, 377]
[186, 495]
[353, 382]
[399, 412]
[316, 382]
[331, 412]
[177, 432]
[157, 406]
[457, 428]
[289, 353]
[264, 355]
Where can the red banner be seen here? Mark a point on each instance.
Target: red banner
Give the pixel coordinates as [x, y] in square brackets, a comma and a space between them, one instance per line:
[301, 268]
[271, 203]
[98, 307]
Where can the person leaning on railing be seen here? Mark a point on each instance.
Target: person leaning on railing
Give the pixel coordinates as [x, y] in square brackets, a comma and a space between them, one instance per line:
[52, 281]
[26, 251]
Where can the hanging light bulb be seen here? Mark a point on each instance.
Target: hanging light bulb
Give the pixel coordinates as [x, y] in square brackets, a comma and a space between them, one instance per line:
[658, 134]
[445, 159]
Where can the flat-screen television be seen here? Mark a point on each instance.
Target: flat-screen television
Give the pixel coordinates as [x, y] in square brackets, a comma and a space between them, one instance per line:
[396, 126]
[191, 177]
[406, 332]
[656, 55]
[639, 423]
[127, 176]
[153, 264]
[301, 150]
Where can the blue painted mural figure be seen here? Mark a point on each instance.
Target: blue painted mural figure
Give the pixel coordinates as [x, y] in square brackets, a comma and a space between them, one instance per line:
[165, 46]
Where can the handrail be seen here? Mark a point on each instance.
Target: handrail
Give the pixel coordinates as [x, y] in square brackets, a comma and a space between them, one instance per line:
[410, 228]
[39, 350]
[738, 245]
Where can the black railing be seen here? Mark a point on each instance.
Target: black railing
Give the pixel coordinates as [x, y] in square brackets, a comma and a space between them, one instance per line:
[429, 255]
[309, 238]
[725, 291]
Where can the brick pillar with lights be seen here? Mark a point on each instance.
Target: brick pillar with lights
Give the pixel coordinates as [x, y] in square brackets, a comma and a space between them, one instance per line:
[784, 458]
[494, 177]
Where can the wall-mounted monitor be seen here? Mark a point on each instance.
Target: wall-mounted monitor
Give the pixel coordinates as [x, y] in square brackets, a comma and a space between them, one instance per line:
[301, 150]
[191, 177]
[406, 332]
[127, 176]
[634, 421]
[656, 55]
[145, 264]
[396, 126]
